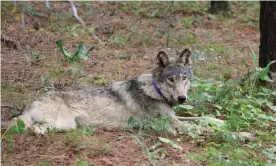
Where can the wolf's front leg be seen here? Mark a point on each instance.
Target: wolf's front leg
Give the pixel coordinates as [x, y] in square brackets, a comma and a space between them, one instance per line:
[167, 111]
[181, 127]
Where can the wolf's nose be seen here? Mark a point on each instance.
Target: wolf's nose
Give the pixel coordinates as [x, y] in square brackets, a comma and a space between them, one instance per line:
[182, 99]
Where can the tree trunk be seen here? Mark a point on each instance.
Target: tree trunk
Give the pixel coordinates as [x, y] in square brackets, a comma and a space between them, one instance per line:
[267, 35]
[220, 6]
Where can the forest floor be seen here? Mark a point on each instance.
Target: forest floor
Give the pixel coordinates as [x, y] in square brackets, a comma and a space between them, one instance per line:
[133, 32]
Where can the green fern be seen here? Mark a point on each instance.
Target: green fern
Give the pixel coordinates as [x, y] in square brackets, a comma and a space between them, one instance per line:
[80, 53]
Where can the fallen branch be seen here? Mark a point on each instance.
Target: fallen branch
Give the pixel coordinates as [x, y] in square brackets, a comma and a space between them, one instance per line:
[210, 119]
[49, 156]
[241, 135]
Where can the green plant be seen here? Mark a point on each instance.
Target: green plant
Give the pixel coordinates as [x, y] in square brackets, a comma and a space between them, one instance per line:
[73, 29]
[43, 79]
[132, 6]
[17, 127]
[89, 81]
[76, 69]
[80, 53]
[83, 131]
[188, 38]
[185, 107]
[119, 40]
[146, 39]
[42, 163]
[28, 8]
[243, 109]
[153, 152]
[187, 22]
[83, 137]
[55, 72]
[217, 48]
[258, 73]
[159, 125]
[36, 55]
[83, 163]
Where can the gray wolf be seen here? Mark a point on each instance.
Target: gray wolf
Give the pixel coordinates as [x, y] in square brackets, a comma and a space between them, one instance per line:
[146, 96]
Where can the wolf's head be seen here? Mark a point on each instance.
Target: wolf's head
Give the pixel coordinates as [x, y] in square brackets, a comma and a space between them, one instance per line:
[172, 75]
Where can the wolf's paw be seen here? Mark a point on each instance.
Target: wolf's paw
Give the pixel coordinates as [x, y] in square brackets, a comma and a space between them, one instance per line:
[40, 130]
[182, 127]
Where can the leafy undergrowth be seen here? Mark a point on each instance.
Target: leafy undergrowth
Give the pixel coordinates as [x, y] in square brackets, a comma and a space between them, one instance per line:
[245, 108]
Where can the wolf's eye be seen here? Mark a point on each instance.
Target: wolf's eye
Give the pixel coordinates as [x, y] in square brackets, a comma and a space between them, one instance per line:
[184, 78]
[171, 79]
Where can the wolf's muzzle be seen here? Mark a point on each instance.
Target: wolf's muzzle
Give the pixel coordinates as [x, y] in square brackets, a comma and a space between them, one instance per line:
[182, 99]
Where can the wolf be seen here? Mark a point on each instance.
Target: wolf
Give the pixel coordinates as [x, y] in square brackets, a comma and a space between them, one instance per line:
[148, 95]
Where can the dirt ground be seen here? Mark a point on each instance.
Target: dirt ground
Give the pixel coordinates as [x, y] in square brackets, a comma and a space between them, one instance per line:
[105, 147]
[31, 64]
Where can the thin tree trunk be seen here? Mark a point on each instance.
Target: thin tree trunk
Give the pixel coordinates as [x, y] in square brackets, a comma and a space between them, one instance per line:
[268, 35]
[220, 6]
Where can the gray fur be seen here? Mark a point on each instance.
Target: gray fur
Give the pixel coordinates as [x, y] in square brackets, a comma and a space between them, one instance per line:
[114, 105]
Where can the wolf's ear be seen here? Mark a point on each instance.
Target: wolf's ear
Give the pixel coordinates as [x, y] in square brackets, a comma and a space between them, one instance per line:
[185, 58]
[162, 59]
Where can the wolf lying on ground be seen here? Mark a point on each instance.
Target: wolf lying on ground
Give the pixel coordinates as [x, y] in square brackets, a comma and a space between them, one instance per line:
[146, 96]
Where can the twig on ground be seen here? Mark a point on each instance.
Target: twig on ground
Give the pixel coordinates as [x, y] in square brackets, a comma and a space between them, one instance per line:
[50, 156]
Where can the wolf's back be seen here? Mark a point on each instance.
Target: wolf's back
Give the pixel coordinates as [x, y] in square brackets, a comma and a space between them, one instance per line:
[66, 110]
